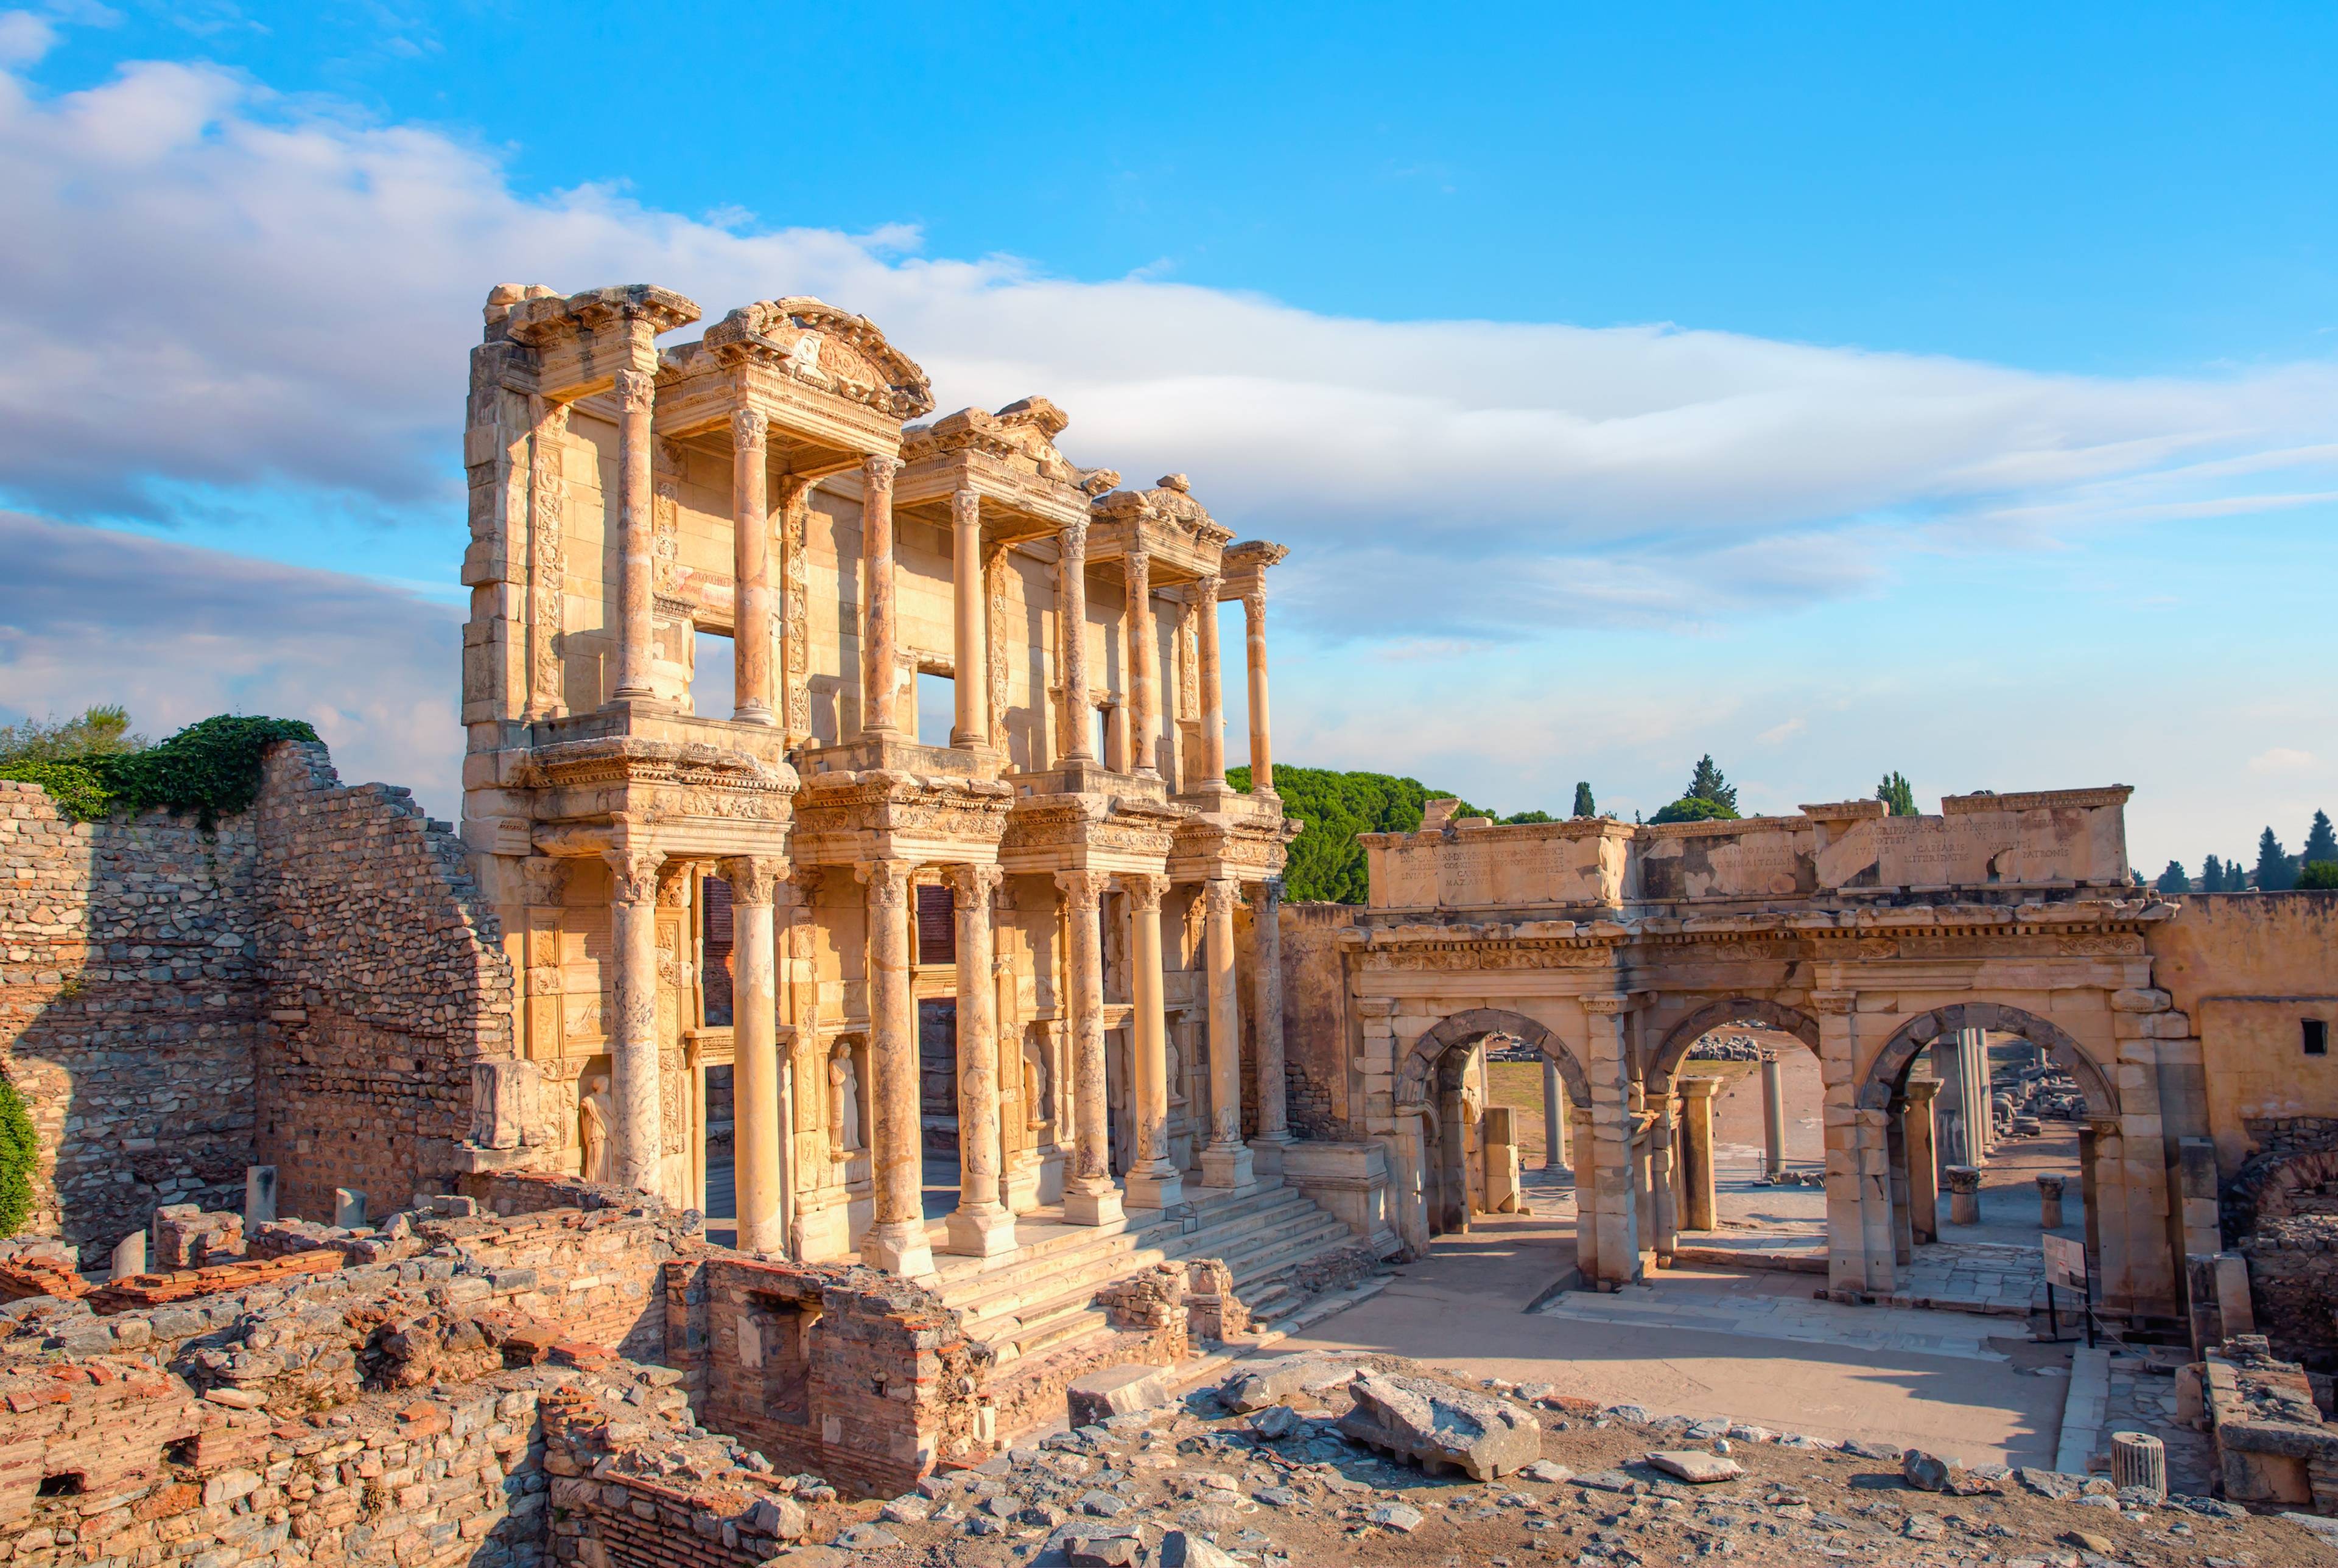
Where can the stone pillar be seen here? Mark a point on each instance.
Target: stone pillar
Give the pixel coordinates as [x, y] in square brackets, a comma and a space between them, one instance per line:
[1664, 1199]
[980, 1226]
[258, 1197]
[1923, 1162]
[755, 1138]
[972, 679]
[1266, 1018]
[1586, 1195]
[1964, 1195]
[2049, 1202]
[1412, 1202]
[1606, 1161]
[896, 1239]
[1697, 1206]
[1980, 1096]
[636, 1157]
[694, 1077]
[880, 647]
[750, 570]
[1226, 1161]
[1154, 1179]
[1213, 696]
[1072, 609]
[1895, 1147]
[1144, 666]
[636, 546]
[1554, 1126]
[1262, 752]
[1773, 1117]
[1951, 1114]
[1089, 1196]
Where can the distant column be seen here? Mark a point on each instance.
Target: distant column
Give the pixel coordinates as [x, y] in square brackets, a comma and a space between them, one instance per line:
[1773, 1117]
[1154, 1179]
[1090, 1197]
[1143, 661]
[1266, 959]
[981, 1225]
[1213, 696]
[1261, 749]
[751, 557]
[1554, 1125]
[755, 1070]
[636, 1159]
[1698, 1205]
[881, 652]
[972, 679]
[896, 1239]
[636, 544]
[1226, 1161]
[1923, 1161]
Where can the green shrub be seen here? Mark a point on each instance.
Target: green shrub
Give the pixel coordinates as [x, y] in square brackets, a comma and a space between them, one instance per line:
[20, 1148]
[2319, 876]
[210, 770]
[1697, 809]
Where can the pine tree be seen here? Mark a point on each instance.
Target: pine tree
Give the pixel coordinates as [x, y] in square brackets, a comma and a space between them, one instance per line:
[2321, 843]
[1897, 796]
[1707, 784]
[1584, 805]
[2212, 875]
[2275, 870]
[2173, 880]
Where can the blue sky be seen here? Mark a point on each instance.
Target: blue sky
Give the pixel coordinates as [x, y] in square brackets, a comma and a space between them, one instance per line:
[1955, 393]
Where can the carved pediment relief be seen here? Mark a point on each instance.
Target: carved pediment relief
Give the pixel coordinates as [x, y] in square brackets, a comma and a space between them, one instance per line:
[824, 347]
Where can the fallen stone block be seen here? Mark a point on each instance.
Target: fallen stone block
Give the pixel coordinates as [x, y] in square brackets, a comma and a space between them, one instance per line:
[1435, 1425]
[1400, 1517]
[1549, 1472]
[1184, 1549]
[1115, 1391]
[1696, 1466]
[1271, 1382]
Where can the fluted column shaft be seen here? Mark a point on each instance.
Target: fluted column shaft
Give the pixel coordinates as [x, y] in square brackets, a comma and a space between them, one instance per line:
[1154, 1181]
[1213, 696]
[755, 1060]
[971, 725]
[882, 647]
[637, 1131]
[1072, 606]
[1143, 661]
[896, 1239]
[980, 1226]
[1226, 1161]
[636, 606]
[1262, 746]
[750, 571]
[1089, 1196]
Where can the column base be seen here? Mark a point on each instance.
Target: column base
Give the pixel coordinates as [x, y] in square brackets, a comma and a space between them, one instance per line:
[1228, 1165]
[898, 1247]
[980, 1233]
[1100, 1205]
[1149, 1190]
[1266, 1151]
[823, 1233]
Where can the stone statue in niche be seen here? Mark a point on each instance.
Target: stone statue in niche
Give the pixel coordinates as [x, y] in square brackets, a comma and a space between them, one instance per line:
[844, 1095]
[595, 1111]
[1034, 1080]
[1176, 1069]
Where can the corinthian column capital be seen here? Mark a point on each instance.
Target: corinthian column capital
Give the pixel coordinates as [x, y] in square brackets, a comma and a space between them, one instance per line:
[1144, 890]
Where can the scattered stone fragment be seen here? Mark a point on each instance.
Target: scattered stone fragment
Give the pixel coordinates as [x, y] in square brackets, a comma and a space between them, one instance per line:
[1549, 1472]
[1399, 1516]
[1116, 1391]
[1278, 1421]
[867, 1538]
[1609, 1481]
[1436, 1425]
[1696, 1466]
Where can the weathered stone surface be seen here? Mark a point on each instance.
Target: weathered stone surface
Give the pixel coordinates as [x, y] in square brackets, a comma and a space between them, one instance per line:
[1258, 1385]
[1695, 1465]
[1436, 1425]
[1116, 1391]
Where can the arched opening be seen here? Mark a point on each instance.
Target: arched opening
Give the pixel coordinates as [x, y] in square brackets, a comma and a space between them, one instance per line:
[1467, 1089]
[1999, 1128]
[1747, 1126]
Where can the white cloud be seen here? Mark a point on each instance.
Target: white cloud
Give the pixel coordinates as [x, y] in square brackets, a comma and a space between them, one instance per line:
[177, 634]
[2283, 760]
[1779, 734]
[203, 286]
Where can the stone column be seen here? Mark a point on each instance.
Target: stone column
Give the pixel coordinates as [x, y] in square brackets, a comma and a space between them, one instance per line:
[896, 1239]
[1664, 1199]
[1606, 1162]
[1981, 1095]
[980, 1226]
[636, 604]
[1773, 1117]
[1143, 659]
[1895, 1147]
[1587, 1196]
[1697, 1206]
[1964, 1195]
[1554, 1143]
[750, 570]
[2049, 1202]
[637, 1136]
[1213, 696]
[1226, 1161]
[1072, 609]
[756, 1059]
[693, 1069]
[1090, 1197]
[880, 648]
[972, 680]
[1923, 1161]
[1266, 1016]
[1261, 749]
[1154, 1179]
[1949, 1111]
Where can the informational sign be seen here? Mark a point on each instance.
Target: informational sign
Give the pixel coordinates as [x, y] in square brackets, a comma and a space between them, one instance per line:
[2066, 1262]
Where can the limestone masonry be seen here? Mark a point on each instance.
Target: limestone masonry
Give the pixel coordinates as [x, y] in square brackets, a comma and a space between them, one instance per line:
[760, 1103]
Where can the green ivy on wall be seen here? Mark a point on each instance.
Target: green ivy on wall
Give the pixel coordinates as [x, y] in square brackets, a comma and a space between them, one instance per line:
[210, 768]
[19, 1147]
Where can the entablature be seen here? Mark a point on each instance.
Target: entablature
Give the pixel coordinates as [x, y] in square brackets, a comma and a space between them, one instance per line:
[844, 819]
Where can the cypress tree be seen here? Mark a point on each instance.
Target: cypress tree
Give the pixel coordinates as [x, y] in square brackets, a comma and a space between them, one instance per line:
[1897, 796]
[2274, 869]
[1584, 805]
[2212, 875]
[2174, 879]
[1705, 783]
[2321, 843]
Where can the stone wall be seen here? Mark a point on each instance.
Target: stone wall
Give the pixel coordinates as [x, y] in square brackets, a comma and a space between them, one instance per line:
[130, 995]
[385, 984]
[1316, 1041]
